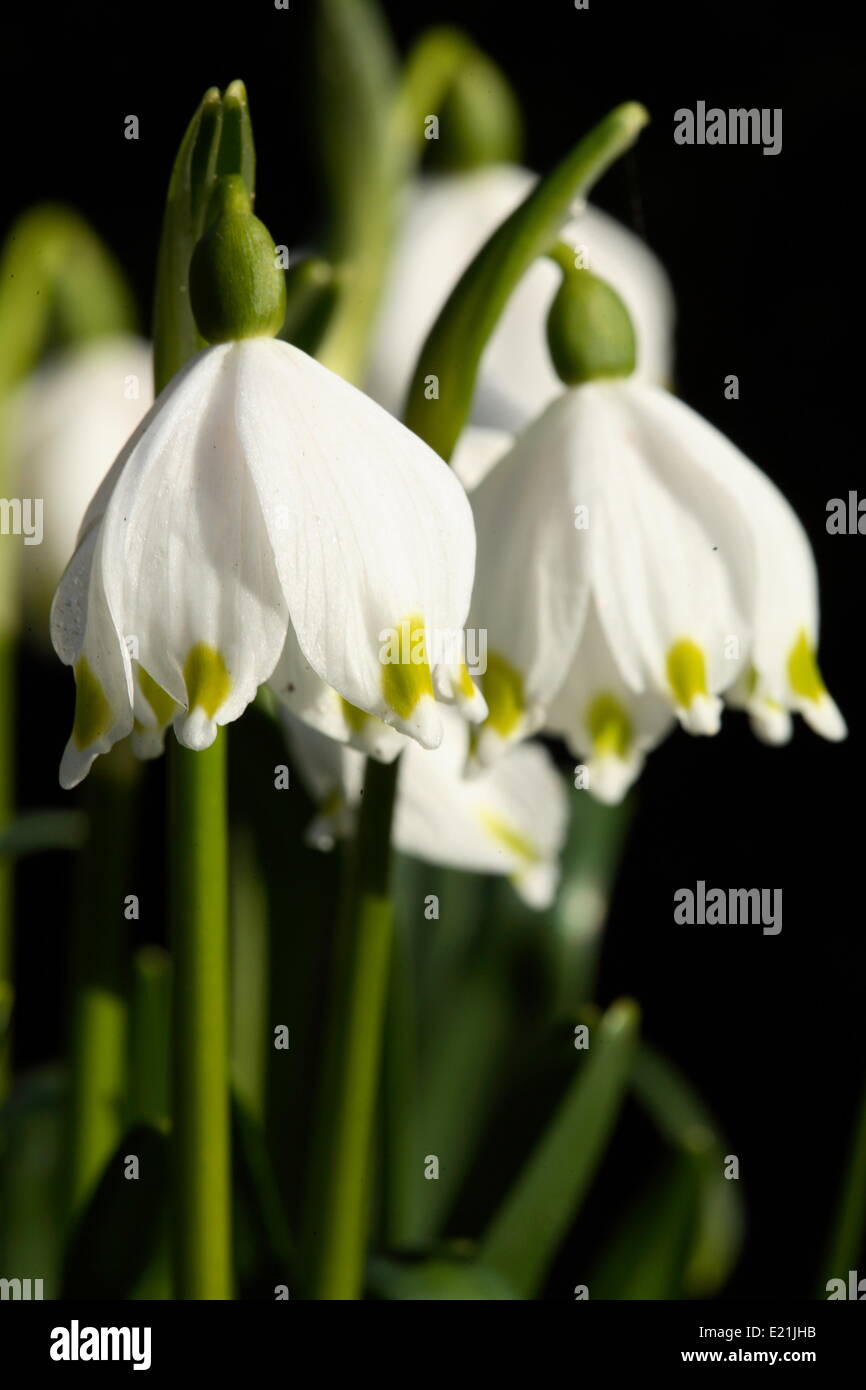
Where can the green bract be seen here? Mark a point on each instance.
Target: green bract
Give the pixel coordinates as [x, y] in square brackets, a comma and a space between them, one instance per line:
[237, 287]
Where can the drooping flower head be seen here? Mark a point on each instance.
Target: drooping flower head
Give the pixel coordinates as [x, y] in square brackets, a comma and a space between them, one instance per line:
[634, 566]
[266, 521]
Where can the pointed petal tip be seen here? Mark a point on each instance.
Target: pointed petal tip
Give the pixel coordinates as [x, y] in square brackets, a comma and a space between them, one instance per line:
[703, 716]
[824, 716]
[194, 730]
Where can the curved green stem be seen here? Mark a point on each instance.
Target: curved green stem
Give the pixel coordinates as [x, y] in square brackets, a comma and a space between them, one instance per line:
[340, 1207]
[200, 1023]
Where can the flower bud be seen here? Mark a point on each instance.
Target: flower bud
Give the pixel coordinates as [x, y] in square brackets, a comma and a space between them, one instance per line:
[589, 330]
[237, 288]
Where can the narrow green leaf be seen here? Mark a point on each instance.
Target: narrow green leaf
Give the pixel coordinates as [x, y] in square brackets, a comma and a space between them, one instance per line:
[35, 831]
[525, 1233]
[438, 1278]
[356, 85]
[118, 1233]
[237, 153]
[687, 1124]
[265, 1248]
[58, 284]
[648, 1256]
[31, 1150]
[447, 75]
[455, 343]
[849, 1224]
[175, 335]
[218, 141]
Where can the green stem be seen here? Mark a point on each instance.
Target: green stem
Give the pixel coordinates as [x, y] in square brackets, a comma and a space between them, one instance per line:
[200, 1023]
[7, 774]
[99, 984]
[340, 1210]
[149, 1027]
[850, 1218]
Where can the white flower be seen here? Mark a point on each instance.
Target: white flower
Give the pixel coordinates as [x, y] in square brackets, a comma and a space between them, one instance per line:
[632, 566]
[447, 220]
[509, 819]
[265, 515]
[68, 422]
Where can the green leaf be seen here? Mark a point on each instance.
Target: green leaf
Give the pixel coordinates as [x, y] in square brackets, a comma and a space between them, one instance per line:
[446, 74]
[31, 1148]
[688, 1125]
[456, 341]
[649, 1255]
[528, 1228]
[356, 82]
[265, 1251]
[218, 141]
[35, 831]
[435, 1279]
[119, 1232]
[592, 855]
[58, 285]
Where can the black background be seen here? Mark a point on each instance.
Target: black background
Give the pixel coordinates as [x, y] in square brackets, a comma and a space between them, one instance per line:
[765, 255]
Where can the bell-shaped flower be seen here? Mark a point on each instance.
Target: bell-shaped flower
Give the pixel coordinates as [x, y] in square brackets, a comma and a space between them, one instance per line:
[509, 820]
[634, 566]
[66, 423]
[266, 519]
[447, 219]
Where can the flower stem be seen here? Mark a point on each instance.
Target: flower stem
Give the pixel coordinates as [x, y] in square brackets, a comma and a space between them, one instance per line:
[200, 1023]
[340, 1208]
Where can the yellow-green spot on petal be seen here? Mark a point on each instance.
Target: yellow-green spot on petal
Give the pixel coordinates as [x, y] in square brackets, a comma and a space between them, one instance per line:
[465, 683]
[163, 706]
[609, 725]
[503, 690]
[93, 716]
[354, 717]
[803, 673]
[207, 679]
[406, 677]
[508, 837]
[751, 680]
[687, 672]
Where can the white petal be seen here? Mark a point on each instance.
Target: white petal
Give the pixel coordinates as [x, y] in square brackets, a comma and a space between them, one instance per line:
[532, 572]
[778, 576]
[476, 453]
[668, 555]
[333, 775]
[67, 424]
[187, 549]
[606, 725]
[86, 635]
[510, 819]
[310, 700]
[371, 531]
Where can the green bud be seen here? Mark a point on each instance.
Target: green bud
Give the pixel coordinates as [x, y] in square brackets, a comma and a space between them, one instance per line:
[479, 121]
[589, 330]
[237, 288]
